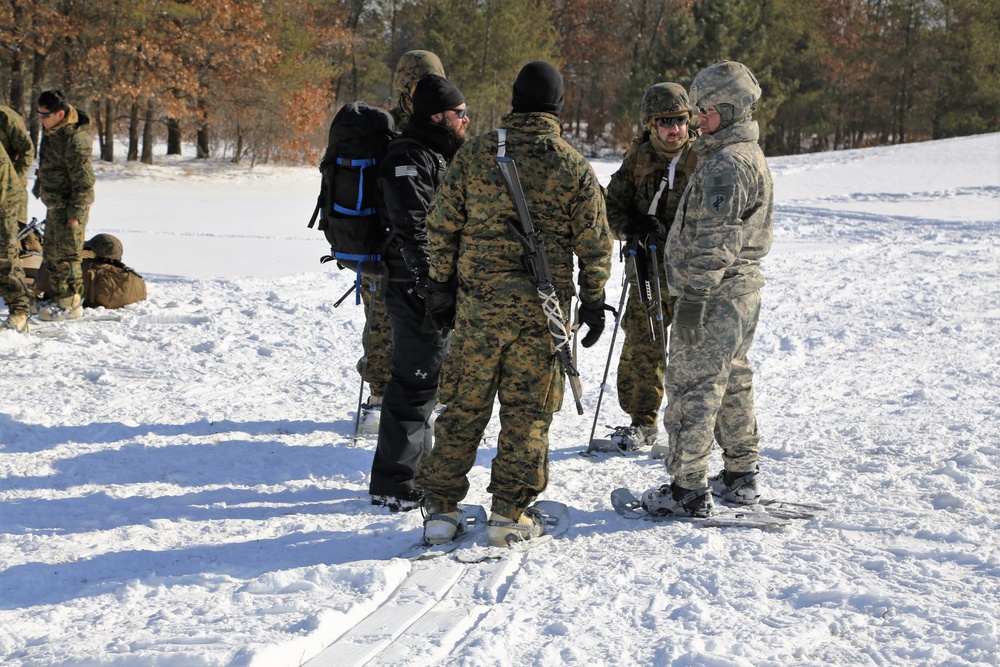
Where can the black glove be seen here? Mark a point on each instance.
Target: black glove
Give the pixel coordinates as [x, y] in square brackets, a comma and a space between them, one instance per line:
[592, 314]
[689, 317]
[421, 285]
[646, 225]
[440, 306]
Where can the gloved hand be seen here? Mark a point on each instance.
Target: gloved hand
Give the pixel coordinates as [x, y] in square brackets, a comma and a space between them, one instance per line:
[689, 317]
[421, 285]
[592, 314]
[440, 306]
[646, 225]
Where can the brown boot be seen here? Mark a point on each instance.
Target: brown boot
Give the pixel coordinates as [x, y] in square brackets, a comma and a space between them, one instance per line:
[17, 322]
[67, 308]
[503, 531]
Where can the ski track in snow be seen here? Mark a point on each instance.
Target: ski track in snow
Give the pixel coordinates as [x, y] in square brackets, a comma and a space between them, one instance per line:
[180, 488]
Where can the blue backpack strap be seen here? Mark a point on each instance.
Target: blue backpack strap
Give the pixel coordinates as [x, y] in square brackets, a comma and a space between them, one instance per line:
[357, 211]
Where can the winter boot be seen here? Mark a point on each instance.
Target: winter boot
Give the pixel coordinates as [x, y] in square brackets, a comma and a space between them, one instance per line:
[631, 438]
[444, 527]
[503, 531]
[67, 308]
[673, 499]
[17, 322]
[403, 503]
[371, 414]
[736, 487]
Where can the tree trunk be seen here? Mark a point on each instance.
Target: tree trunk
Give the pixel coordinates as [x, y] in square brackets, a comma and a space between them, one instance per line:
[147, 134]
[173, 136]
[17, 82]
[108, 149]
[37, 75]
[133, 133]
[202, 152]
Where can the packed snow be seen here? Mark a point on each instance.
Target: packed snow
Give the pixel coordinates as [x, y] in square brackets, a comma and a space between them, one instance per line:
[181, 487]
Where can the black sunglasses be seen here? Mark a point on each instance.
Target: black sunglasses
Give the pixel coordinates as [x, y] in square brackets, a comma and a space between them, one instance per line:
[671, 121]
[461, 113]
[45, 114]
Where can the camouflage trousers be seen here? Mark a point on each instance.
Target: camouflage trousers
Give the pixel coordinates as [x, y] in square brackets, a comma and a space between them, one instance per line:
[62, 255]
[710, 394]
[491, 357]
[13, 287]
[640, 367]
[379, 350]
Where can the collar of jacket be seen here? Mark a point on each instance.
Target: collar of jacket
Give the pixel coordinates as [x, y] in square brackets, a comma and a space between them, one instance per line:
[72, 116]
[536, 122]
[436, 137]
[742, 132]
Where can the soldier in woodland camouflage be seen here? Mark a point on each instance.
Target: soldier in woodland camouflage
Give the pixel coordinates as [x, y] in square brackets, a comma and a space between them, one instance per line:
[13, 289]
[16, 141]
[412, 66]
[722, 230]
[501, 344]
[65, 184]
[656, 168]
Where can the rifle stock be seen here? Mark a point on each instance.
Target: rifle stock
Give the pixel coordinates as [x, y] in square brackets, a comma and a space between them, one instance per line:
[536, 259]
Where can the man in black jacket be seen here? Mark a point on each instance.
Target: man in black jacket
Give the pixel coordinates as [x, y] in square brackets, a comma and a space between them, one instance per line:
[408, 177]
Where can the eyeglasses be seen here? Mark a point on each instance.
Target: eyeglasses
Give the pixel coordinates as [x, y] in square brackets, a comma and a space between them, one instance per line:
[706, 111]
[672, 121]
[45, 114]
[461, 113]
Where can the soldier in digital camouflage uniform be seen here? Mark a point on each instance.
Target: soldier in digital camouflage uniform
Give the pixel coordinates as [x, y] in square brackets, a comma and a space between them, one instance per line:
[13, 288]
[412, 66]
[656, 168]
[65, 184]
[721, 232]
[501, 343]
[15, 139]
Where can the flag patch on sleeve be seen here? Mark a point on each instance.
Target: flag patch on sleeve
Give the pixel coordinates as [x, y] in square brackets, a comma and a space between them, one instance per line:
[406, 171]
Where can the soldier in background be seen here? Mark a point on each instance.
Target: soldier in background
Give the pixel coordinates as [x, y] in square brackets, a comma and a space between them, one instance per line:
[501, 343]
[65, 184]
[656, 169]
[15, 139]
[13, 289]
[722, 230]
[412, 66]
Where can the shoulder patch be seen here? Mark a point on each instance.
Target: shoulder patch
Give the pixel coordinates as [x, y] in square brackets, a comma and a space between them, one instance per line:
[719, 192]
[406, 171]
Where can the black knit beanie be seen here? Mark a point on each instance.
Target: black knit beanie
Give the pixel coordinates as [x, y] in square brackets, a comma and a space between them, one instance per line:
[435, 94]
[538, 87]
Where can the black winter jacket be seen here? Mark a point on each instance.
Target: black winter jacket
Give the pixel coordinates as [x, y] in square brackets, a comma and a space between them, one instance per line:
[408, 178]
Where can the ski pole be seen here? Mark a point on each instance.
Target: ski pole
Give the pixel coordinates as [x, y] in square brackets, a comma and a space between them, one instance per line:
[659, 304]
[629, 269]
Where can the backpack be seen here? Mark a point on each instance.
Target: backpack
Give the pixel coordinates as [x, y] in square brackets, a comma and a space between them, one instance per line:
[347, 206]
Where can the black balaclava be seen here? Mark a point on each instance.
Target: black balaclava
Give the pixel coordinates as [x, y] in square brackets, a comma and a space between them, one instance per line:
[538, 87]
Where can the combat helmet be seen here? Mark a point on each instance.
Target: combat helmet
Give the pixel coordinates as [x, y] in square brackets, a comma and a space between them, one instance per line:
[728, 86]
[664, 99]
[413, 66]
[105, 246]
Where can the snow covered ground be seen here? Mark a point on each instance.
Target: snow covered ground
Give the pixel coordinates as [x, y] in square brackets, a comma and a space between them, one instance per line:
[180, 488]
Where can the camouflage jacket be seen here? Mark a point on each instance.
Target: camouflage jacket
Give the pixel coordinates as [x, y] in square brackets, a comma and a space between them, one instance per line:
[467, 228]
[723, 223]
[65, 176]
[13, 196]
[15, 139]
